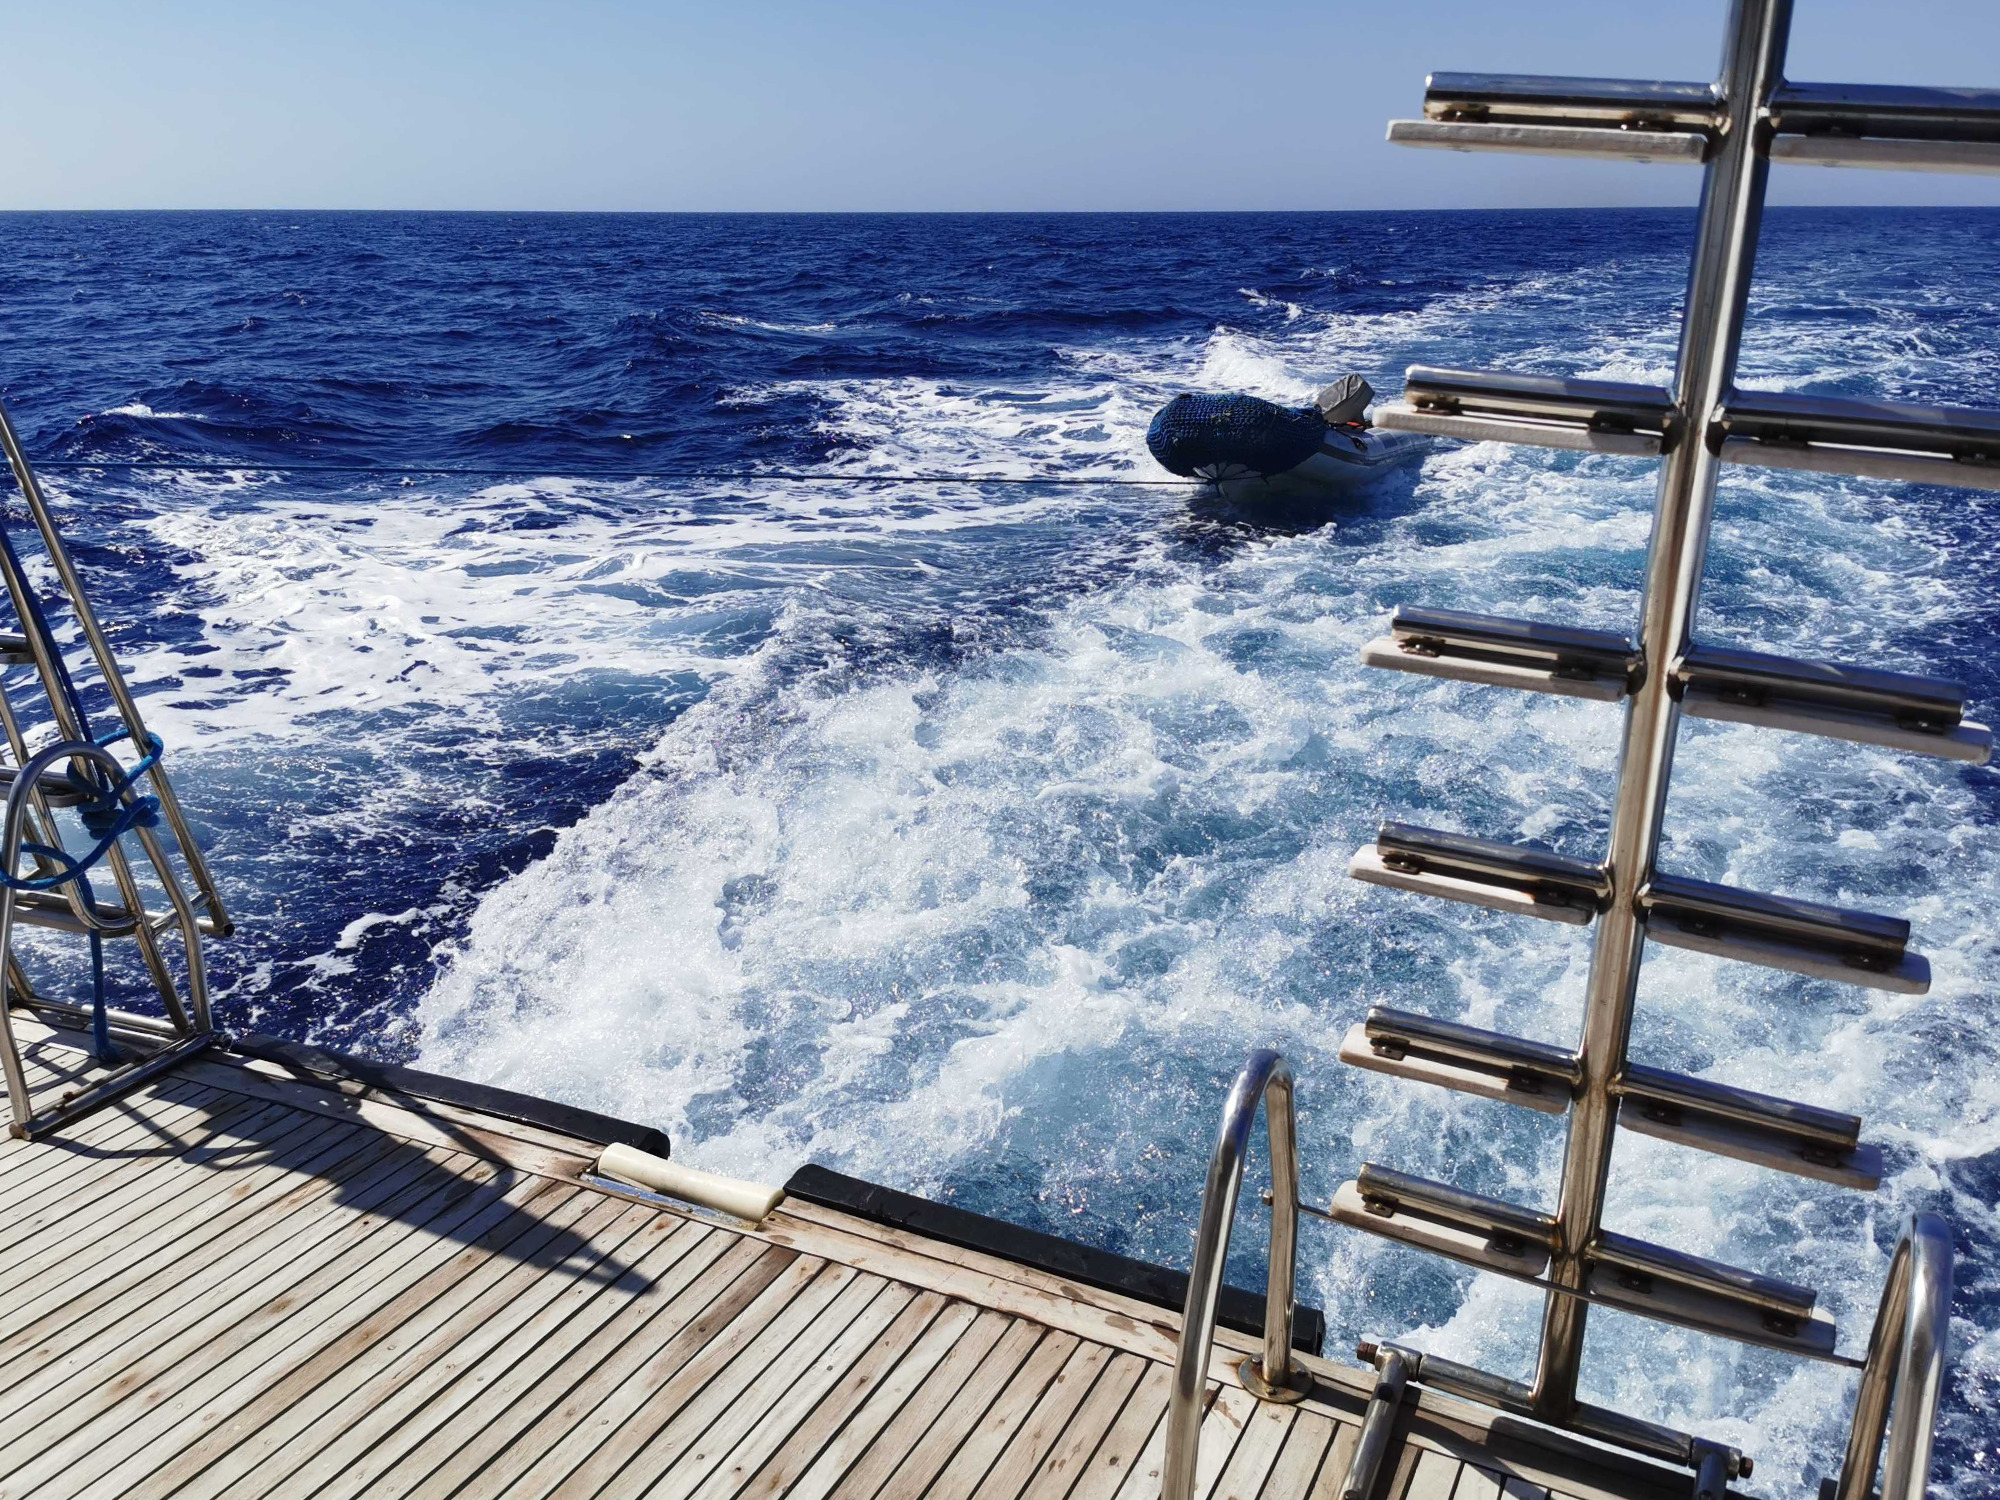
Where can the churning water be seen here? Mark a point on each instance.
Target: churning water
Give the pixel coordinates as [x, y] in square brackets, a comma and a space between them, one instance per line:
[965, 836]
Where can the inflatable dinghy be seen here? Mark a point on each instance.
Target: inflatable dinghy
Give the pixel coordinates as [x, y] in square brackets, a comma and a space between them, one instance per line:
[1248, 447]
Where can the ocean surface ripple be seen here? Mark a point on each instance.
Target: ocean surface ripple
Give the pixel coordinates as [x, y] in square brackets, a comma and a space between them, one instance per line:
[966, 836]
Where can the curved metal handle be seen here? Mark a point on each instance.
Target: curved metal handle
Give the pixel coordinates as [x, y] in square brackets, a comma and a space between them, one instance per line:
[1266, 1077]
[12, 825]
[1904, 1377]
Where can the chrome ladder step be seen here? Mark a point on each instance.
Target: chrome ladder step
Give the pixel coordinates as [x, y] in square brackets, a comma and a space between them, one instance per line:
[1467, 1059]
[1707, 1295]
[1499, 652]
[1873, 439]
[1544, 411]
[1669, 1286]
[1468, 1227]
[1782, 932]
[1899, 710]
[1771, 1132]
[1522, 878]
[1813, 124]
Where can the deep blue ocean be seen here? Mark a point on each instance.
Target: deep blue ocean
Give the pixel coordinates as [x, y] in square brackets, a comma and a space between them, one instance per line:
[966, 835]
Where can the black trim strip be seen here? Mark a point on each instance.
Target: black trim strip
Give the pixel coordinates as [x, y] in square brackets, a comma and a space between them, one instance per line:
[1142, 1280]
[502, 1104]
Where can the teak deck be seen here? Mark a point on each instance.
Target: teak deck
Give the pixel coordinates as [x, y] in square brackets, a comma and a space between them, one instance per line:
[237, 1283]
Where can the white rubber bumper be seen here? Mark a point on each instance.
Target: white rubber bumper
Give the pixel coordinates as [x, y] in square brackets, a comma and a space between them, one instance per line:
[729, 1195]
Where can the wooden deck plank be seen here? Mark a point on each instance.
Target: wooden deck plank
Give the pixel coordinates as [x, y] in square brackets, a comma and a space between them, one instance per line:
[1111, 1465]
[304, 1431]
[429, 1126]
[1256, 1451]
[102, 1140]
[1067, 1459]
[980, 1446]
[988, 1352]
[222, 1290]
[676, 1420]
[1229, 1411]
[596, 1410]
[912, 1468]
[521, 1411]
[878, 1334]
[1033, 1439]
[230, 1370]
[179, 1208]
[1339, 1459]
[98, 1418]
[95, 1226]
[433, 1429]
[155, 1288]
[1298, 1464]
[841, 1427]
[1078, 1315]
[125, 1159]
[155, 1285]
[1433, 1478]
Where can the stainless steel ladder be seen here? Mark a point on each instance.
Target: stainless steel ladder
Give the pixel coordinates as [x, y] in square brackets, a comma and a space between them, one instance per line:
[1734, 128]
[53, 768]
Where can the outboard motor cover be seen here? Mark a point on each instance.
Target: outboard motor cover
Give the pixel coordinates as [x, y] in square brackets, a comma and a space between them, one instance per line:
[1191, 434]
[1345, 401]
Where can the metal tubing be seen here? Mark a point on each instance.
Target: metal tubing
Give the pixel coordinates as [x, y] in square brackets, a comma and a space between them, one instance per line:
[1266, 1077]
[20, 799]
[1732, 203]
[107, 666]
[1905, 1372]
[1377, 1425]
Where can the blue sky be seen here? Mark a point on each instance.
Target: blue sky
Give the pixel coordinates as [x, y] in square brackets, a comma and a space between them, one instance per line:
[873, 104]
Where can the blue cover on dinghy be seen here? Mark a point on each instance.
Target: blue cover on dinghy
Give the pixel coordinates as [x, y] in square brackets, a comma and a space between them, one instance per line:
[1191, 433]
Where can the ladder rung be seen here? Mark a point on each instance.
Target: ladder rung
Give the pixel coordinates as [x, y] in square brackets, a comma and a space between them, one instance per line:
[1522, 878]
[51, 909]
[15, 651]
[1679, 1093]
[1887, 111]
[1627, 1274]
[1487, 1063]
[1780, 932]
[1639, 1257]
[1899, 710]
[1704, 1294]
[1865, 463]
[1553, 140]
[1546, 411]
[1466, 1226]
[1500, 652]
[1604, 101]
[56, 787]
[1967, 157]
[1876, 439]
[1858, 1166]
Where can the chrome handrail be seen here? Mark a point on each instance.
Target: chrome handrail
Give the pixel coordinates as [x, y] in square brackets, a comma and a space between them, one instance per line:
[1266, 1077]
[1904, 1376]
[20, 801]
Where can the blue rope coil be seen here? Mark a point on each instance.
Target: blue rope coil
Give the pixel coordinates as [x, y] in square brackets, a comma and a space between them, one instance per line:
[107, 817]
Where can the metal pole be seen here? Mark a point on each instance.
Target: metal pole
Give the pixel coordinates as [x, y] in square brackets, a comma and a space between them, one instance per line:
[1725, 250]
[1905, 1372]
[1267, 1077]
[107, 665]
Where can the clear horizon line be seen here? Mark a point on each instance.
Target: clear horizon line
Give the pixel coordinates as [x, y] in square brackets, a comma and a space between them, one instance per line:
[1555, 208]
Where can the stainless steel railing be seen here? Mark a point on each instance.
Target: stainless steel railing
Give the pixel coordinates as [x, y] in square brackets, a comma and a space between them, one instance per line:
[1905, 1372]
[1266, 1078]
[49, 708]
